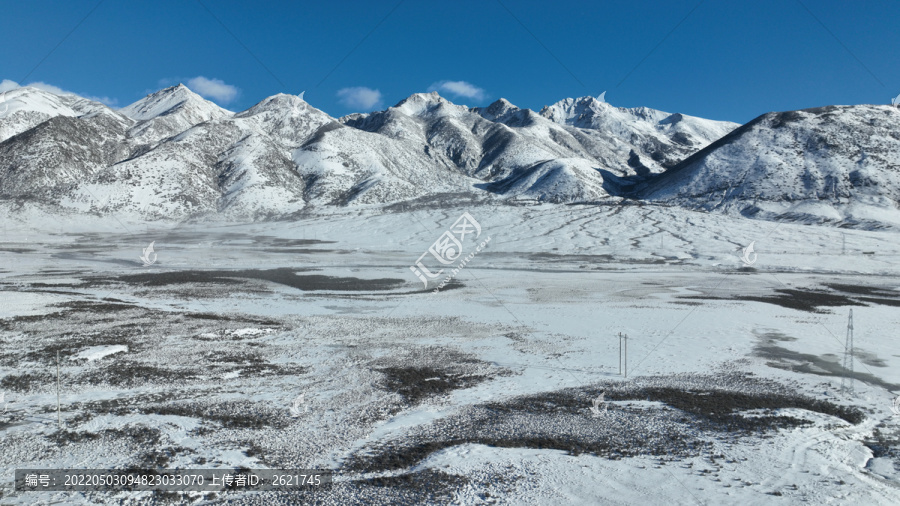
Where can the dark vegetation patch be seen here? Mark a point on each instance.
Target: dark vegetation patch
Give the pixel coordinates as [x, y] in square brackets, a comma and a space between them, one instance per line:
[576, 434]
[719, 407]
[141, 436]
[180, 277]
[251, 363]
[885, 443]
[414, 481]
[593, 259]
[302, 251]
[10, 324]
[868, 358]
[453, 284]
[97, 307]
[79, 418]
[221, 317]
[556, 257]
[231, 415]
[812, 300]
[710, 406]
[783, 358]
[228, 335]
[428, 486]
[801, 300]
[55, 285]
[697, 412]
[26, 381]
[210, 337]
[285, 243]
[71, 344]
[77, 327]
[870, 294]
[418, 383]
[255, 451]
[863, 290]
[55, 292]
[207, 316]
[883, 302]
[128, 373]
[67, 437]
[282, 276]
[160, 458]
[118, 406]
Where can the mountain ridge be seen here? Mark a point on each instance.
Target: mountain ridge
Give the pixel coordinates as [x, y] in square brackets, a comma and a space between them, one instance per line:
[174, 154]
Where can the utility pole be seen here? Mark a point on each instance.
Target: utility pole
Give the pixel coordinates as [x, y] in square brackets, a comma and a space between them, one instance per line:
[58, 415]
[848, 357]
[623, 337]
[843, 244]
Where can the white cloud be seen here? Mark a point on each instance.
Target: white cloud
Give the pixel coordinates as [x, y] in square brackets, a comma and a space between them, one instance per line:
[459, 89]
[56, 90]
[7, 85]
[215, 89]
[107, 101]
[360, 97]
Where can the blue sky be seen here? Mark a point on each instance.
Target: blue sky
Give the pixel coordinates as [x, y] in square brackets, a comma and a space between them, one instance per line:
[719, 59]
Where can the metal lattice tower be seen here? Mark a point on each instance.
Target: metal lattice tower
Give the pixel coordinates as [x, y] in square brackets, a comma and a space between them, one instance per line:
[848, 357]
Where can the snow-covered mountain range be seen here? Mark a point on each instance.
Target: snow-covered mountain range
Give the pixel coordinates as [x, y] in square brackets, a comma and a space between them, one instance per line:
[173, 155]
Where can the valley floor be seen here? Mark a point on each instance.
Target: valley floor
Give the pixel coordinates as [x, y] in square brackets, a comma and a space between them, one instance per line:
[311, 344]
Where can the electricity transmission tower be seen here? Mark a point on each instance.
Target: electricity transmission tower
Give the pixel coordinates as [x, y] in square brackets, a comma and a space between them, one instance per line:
[623, 338]
[848, 357]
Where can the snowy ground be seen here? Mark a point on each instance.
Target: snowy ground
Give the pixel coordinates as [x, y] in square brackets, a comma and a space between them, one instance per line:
[480, 393]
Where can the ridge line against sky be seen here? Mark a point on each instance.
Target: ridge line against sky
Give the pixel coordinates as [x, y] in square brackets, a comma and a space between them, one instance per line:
[706, 59]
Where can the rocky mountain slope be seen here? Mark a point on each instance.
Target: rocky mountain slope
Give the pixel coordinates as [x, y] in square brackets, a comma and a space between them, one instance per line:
[838, 164]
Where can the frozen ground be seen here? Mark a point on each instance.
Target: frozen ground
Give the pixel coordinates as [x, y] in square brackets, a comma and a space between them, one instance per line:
[480, 393]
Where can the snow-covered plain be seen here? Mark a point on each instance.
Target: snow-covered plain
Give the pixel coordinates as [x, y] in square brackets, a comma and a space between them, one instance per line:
[480, 393]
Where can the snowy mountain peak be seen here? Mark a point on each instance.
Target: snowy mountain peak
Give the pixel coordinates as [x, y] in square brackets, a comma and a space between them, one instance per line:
[287, 119]
[578, 112]
[280, 102]
[171, 99]
[424, 97]
[497, 111]
[24, 108]
[168, 112]
[428, 104]
[32, 99]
